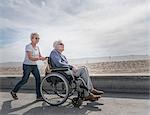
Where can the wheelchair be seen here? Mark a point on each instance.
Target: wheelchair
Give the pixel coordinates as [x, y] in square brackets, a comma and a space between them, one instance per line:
[56, 87]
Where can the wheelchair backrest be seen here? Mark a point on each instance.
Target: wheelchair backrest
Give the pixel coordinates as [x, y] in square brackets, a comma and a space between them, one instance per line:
[48, 68]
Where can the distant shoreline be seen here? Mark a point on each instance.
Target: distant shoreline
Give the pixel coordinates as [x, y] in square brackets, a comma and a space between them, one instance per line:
[114, 67]
[92, 59]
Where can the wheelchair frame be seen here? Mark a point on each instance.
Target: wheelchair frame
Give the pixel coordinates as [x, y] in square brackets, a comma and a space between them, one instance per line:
[71, 85]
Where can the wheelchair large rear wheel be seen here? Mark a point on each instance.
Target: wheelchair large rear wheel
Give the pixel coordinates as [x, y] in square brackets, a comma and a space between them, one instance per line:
[54, 89]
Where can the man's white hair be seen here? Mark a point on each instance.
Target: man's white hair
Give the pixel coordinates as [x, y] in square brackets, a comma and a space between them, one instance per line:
[56, 43]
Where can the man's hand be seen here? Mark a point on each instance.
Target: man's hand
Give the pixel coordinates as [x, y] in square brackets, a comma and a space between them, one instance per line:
[74, 69]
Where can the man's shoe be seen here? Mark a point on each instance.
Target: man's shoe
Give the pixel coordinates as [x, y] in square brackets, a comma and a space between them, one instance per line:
[13, 94]
[92, 97]
[96, 92]
[39, 99]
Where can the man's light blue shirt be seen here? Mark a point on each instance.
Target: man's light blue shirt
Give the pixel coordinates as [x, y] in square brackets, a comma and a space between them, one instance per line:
[58, 60]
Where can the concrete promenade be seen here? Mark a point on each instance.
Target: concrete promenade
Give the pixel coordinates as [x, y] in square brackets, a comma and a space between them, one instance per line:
[109, 104]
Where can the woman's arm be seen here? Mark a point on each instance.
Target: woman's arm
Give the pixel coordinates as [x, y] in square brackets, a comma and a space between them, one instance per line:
[40, 56]
[31, 57]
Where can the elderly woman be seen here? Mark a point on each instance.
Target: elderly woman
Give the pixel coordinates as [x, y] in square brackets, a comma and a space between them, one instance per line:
[59, 60]
[32, 54]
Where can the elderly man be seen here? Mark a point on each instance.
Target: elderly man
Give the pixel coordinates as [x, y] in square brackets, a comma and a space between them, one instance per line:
[59, 60]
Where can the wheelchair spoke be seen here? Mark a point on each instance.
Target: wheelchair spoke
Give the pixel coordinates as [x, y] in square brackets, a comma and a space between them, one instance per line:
[45, 91]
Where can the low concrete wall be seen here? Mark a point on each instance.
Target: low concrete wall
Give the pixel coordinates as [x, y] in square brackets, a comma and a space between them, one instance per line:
[129, 84]
[126, 84]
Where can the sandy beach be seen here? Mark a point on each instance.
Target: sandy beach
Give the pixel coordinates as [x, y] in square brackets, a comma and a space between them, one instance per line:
[114, 67]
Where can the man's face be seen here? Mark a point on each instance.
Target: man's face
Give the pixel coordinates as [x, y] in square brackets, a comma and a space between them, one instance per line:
[60, 47]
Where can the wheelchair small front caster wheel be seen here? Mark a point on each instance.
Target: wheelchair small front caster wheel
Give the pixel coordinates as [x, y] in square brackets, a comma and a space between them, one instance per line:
[77, 102]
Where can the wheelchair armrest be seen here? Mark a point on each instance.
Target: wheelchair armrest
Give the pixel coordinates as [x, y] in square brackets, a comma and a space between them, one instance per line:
[61, 69]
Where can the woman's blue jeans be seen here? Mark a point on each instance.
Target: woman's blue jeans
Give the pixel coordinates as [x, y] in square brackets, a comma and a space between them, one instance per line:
[27, 69]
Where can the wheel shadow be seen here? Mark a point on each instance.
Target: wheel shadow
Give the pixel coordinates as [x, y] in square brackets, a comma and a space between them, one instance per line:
[46, 109]
[65, 110]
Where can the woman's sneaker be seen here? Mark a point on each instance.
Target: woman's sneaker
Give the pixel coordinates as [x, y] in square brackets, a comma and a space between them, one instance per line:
[13, 94]
[39, 99]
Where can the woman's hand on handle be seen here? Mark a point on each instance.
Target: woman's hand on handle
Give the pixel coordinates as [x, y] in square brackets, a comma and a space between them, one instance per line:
[42, 58]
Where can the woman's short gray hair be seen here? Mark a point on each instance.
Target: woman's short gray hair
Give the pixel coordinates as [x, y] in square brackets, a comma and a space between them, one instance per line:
[34, 34]
[56, 43]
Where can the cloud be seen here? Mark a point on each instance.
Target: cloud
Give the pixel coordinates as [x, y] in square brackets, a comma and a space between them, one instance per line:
[97, 27]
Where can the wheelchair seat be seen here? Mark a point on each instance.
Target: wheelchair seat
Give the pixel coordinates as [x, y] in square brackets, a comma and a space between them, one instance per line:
[49, 69]
[52, 79]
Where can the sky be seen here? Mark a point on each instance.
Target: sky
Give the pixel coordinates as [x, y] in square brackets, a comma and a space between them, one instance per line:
[88, 28]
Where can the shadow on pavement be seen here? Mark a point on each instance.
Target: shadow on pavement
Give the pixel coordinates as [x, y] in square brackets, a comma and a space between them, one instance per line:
[51, 110]
[7, 108]
[63, 110]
